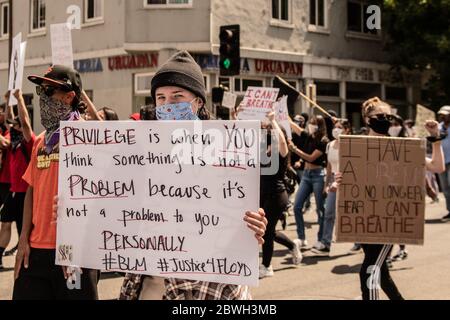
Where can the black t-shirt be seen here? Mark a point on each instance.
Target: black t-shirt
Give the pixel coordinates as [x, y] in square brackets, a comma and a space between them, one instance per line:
[299, 141]
[311, 144]
[275, 183]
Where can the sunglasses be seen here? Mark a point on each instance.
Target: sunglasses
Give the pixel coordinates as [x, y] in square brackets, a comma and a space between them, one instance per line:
[49, 90]
[383, 116]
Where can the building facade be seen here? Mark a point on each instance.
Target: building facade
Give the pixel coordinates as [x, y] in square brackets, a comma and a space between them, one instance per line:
[121, 44]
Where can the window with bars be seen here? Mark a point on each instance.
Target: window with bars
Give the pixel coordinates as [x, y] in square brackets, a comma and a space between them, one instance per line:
[37, 15]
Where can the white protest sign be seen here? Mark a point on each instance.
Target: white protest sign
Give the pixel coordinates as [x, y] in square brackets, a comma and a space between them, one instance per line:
[61, 38]
[16, 67]
[282, 115]
[229, 100]
[423, 114]
[257, 103]
[161, 198]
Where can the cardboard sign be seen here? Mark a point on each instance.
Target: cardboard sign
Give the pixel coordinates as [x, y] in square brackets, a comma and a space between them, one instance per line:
[16, 67]
[229, 100]
[282, 115]
[257, 103]
[160, 198]
[61, 37]
[382, 197]
[423, 114]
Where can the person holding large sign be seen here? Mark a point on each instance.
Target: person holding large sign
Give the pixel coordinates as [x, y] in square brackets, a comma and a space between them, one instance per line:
[36, 275]
[374, 271]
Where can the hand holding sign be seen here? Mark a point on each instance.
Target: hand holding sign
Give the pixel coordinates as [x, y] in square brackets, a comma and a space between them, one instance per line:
[432, 127]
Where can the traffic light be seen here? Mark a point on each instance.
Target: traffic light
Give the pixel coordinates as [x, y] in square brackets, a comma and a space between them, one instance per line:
[230, 50]
[217, 94]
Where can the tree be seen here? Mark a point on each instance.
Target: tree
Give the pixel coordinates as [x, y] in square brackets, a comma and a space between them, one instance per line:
[418, 38]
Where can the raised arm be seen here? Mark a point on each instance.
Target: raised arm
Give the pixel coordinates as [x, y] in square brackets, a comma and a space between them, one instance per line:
[92, 111]
[24, 116]
[437, 163]
[9, 109]
[282, 143]
[295, 127]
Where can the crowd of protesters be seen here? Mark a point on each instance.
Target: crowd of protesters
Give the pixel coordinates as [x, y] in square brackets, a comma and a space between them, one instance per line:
[309, 169]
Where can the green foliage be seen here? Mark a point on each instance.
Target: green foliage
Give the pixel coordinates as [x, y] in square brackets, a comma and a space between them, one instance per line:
[418, 38]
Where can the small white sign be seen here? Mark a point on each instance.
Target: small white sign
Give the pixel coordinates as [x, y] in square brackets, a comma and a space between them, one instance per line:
[229, 100]
[16, 67]
[61, 38]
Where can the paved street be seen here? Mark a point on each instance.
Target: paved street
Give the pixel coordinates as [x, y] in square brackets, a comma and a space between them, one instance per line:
[424, 275]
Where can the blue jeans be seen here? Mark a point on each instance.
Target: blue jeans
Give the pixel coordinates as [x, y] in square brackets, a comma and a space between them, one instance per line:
[308, 200]
[445, 185]
[312, 181]
[329, 219]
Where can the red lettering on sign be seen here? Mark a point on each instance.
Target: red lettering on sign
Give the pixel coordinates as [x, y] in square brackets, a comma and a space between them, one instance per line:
[137, 61]
[278, 67]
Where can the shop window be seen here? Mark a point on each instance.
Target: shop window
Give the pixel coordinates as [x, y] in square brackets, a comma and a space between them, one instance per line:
[143, 83]
[293, 83]
[396, 94]
[362, 91]
[241, 84]
[327, 89]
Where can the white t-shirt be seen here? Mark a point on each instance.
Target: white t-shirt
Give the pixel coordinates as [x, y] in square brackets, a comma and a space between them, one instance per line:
[333, 156]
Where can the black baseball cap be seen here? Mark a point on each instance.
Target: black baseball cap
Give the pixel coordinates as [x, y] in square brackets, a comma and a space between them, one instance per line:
[63, 77]
[15, 121]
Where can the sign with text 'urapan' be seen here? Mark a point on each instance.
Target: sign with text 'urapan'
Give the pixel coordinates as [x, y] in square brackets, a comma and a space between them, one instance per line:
[161, 198]
[382, 197]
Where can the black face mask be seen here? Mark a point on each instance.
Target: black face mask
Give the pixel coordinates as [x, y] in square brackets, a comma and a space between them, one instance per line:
[16, 138]
[380, 126]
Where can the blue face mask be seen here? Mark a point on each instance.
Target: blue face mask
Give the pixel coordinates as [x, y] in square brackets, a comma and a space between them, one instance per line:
[176, 111]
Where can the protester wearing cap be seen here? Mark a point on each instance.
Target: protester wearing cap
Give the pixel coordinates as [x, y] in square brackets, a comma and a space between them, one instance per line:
[444, 117]
[179, 93]
[36, 275]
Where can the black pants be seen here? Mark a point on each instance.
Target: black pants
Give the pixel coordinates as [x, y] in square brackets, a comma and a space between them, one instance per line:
[375, 259]
[43, 280]
[274, 206]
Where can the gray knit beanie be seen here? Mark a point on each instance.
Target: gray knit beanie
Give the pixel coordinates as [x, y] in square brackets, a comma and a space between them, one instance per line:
[182, 71]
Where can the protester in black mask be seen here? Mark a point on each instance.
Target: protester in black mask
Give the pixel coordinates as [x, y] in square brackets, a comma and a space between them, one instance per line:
[378, 115]
[37, 276]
